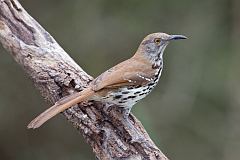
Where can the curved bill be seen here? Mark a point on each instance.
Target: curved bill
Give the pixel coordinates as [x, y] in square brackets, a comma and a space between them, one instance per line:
[176, 37]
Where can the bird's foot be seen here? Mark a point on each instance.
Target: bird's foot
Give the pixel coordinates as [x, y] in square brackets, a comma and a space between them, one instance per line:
[136, 136]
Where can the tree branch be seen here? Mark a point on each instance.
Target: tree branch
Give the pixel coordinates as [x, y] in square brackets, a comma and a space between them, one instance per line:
[56, 75]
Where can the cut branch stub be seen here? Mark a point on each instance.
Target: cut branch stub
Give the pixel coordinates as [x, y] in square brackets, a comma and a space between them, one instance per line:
[55, 74]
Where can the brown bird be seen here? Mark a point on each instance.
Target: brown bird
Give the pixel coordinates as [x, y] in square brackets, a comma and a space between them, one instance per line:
[124, 84]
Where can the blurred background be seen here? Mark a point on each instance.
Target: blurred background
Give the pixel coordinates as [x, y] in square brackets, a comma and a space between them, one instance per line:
[194, 112]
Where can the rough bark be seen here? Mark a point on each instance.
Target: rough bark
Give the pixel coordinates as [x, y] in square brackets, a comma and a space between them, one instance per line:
[55, 74]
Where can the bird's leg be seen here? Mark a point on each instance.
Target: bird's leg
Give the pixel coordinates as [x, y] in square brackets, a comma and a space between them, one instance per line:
[135, 134]
[108, 106]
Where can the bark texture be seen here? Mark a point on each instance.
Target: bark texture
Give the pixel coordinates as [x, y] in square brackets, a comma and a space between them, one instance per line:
[55, 74]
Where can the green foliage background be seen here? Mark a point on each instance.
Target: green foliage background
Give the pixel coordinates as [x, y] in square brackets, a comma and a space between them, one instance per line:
[193, 114]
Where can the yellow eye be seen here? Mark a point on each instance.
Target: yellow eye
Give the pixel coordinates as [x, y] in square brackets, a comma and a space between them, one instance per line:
[157, 40]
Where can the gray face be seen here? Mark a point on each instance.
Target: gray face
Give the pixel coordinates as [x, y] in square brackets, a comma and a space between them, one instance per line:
[154, 48]
[154, 45]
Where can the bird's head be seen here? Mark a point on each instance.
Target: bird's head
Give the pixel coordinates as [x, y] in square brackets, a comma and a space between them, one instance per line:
[153, 45]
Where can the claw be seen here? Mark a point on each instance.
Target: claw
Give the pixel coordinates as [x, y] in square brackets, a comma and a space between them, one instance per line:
[136, 136]
[137, 139]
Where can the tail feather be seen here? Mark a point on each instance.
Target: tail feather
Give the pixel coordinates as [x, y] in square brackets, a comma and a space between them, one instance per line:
[60, 106]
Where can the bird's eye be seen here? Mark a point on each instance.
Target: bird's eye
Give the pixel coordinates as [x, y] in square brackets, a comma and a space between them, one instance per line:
[157, 40]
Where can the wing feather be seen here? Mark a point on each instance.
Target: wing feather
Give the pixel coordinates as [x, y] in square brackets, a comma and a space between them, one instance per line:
[129, 72]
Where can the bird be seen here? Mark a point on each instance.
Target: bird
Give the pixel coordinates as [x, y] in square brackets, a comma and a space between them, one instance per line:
[124, 84]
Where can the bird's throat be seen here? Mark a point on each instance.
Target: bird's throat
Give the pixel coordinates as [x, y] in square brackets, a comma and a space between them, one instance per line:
[158, 63]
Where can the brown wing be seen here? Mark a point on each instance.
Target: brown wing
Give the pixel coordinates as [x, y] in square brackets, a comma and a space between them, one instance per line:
[130, 72]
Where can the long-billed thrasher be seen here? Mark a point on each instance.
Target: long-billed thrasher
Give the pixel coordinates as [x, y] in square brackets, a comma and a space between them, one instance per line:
[122, 85]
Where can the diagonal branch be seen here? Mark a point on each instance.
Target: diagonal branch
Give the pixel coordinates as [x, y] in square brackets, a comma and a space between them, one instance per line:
[56, 75]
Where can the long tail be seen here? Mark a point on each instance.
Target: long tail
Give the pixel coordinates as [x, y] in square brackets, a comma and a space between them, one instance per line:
[60, 106]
